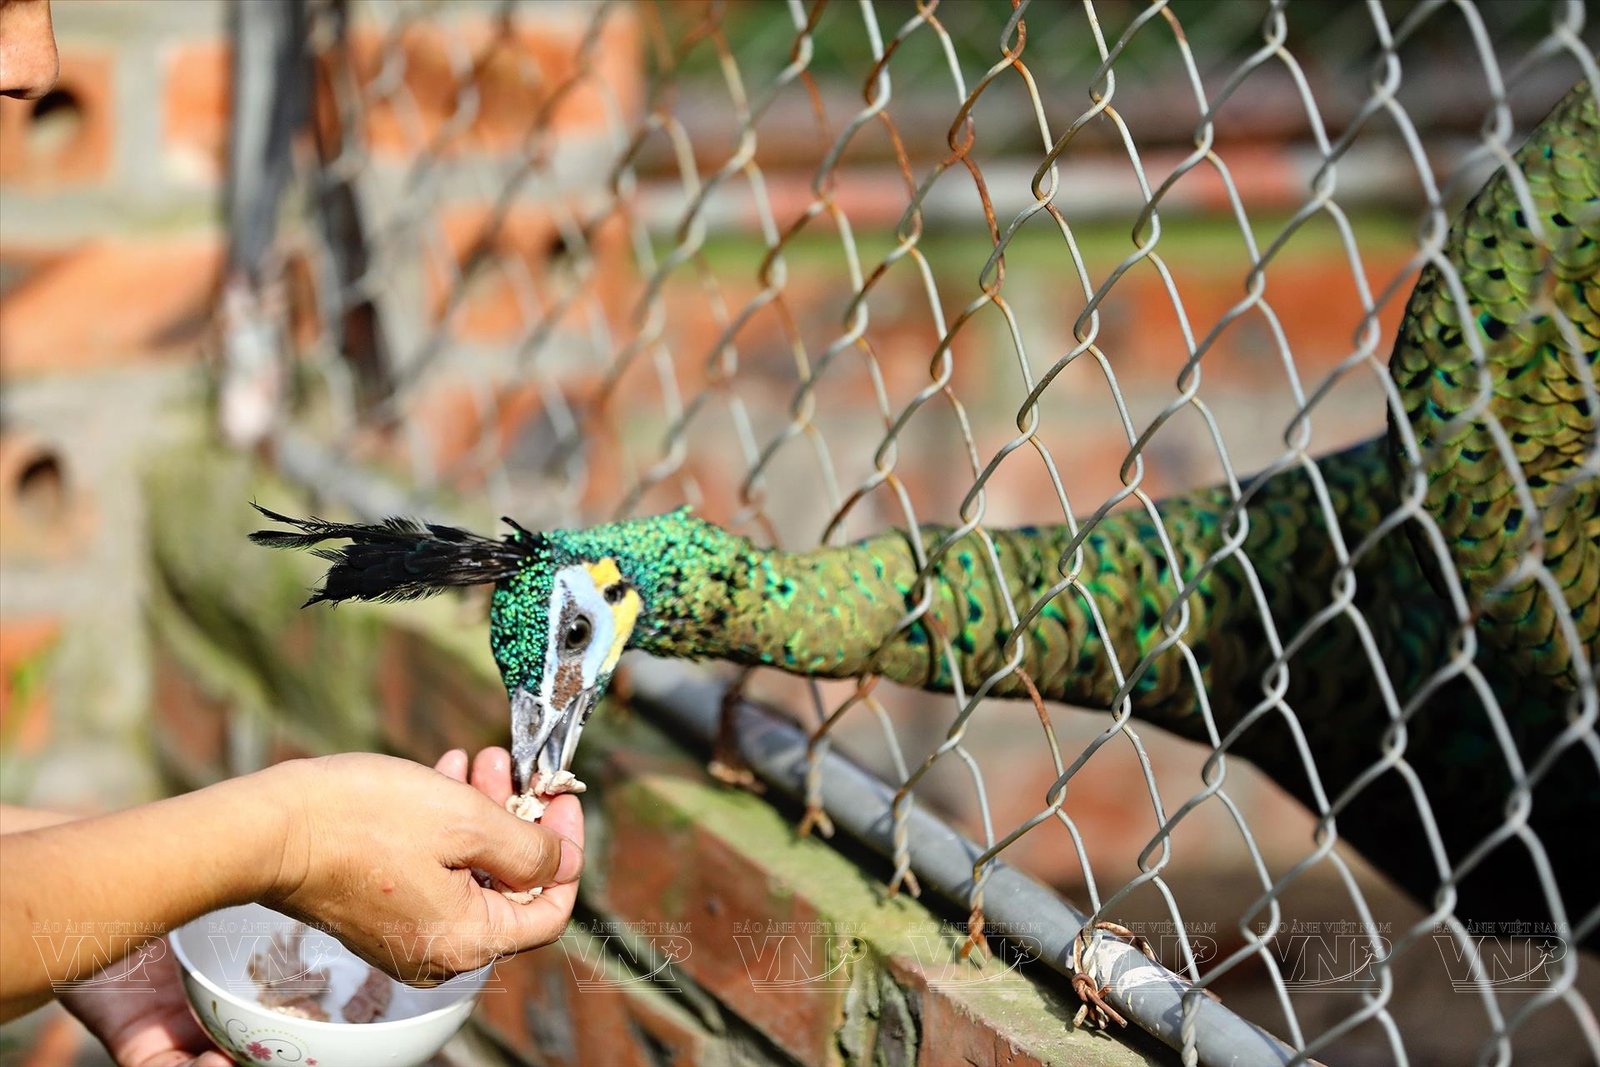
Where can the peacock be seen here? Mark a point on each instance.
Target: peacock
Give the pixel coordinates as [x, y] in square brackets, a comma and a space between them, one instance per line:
[1471, 555]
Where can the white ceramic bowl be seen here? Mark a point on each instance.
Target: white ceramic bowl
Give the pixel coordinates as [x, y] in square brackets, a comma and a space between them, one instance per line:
[214, 953]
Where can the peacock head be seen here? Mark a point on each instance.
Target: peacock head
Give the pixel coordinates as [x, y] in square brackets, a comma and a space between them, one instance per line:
[564, 606]
[557, 627]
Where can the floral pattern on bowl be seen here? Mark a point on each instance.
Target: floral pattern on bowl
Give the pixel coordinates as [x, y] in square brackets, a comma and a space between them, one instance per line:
[213, 953]
[258, 1045]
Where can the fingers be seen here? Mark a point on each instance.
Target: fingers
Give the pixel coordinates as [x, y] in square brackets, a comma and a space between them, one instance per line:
[565, 817]
[535, 924]
[453, 764]
[541, 921]
[491, 774]
[523, 854]
[179, 1058]
[471, 931]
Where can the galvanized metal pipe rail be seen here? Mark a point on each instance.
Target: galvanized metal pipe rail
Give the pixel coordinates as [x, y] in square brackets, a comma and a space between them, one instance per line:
[689, 704]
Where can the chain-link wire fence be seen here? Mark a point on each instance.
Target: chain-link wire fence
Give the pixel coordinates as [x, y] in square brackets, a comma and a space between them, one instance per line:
[824, 269]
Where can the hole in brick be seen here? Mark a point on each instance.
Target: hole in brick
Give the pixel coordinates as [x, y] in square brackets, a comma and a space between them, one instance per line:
[56, 121]
[41, 490]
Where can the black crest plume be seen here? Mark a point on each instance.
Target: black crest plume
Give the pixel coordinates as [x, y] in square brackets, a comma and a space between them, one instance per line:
[401, 559]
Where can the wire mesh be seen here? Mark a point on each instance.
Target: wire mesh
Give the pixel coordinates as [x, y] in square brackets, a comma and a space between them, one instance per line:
[824, 269]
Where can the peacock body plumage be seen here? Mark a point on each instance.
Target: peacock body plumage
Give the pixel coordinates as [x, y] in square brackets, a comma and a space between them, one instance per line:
[1440, 641]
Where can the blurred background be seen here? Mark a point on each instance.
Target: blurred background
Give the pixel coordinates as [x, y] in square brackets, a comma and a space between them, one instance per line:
[567, 261]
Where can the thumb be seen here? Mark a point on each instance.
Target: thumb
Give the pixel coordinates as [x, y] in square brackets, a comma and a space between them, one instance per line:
[523, 854]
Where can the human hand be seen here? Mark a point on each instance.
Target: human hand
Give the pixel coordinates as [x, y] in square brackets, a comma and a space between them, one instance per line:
[136, 1008]
[489, 773]
[379, 851]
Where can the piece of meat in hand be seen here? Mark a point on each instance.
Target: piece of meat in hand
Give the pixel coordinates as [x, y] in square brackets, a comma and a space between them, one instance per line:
[530, 807]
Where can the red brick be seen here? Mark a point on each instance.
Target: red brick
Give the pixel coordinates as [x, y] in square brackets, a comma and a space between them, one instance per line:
[196, 99]
[540, 62]
[300, 294]
[536, 1005]
[614, 282]
[469, 430]
[513, 285]
[872, 199]
[1313, 296]
[25, 702]
[44, 515]
[714, 482]
[904, 345]
[463, 430]
[1115, 819]
[609, 1031]
[111, 302]
[431, 703]
[487, 304]
[680, 1042]
[712, 887]
[66, 137]
[603, 458]
[519, 994]
[190, 724]
[954, 1038]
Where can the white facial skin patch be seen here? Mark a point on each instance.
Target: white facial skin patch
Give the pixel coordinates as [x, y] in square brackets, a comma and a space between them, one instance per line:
[579, 591]
[574, 592]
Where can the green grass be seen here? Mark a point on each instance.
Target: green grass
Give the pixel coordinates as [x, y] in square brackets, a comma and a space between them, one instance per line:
[960, 254]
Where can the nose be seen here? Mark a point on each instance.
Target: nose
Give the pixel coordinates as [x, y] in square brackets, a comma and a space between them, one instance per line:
[28, 61]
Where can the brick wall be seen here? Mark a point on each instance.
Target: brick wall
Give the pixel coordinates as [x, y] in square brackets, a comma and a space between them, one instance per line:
[109, 247]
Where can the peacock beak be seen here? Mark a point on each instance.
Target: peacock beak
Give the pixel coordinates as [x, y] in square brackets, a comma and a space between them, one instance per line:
[544, 739]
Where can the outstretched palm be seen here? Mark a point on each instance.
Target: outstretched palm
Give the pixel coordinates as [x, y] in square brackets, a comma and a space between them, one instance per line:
[137, 1009]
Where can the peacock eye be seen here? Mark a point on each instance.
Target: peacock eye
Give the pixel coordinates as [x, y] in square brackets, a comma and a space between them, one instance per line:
[576, 637]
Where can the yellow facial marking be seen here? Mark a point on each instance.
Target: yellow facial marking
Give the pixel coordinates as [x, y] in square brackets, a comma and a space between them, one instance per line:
[604, 573]
[626, 613]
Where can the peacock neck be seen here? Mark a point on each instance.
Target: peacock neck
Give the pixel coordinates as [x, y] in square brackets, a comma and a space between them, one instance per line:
[716, 595]
[1495, 390]
[836, 612]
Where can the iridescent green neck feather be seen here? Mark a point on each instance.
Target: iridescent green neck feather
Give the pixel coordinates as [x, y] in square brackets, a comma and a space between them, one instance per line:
[1521, 414]
[836, 612]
